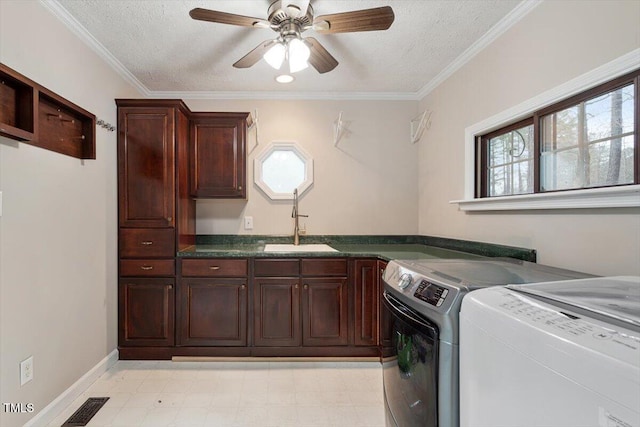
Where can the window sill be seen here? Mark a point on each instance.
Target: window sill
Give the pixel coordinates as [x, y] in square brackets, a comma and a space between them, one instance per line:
[595, 198]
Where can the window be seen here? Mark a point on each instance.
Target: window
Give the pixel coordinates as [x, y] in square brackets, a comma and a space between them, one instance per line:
[589, 140]
[508, 160]
[282, 168]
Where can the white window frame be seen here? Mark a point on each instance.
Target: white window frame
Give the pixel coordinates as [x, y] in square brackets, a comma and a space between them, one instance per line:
[609, 197]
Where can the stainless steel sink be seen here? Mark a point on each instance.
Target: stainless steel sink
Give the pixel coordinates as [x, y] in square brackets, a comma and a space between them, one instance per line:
[312, 247]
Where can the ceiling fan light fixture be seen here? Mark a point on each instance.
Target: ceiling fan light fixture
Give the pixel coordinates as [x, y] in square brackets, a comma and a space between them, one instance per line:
[285, 78]
[299, 54]
[275, 55]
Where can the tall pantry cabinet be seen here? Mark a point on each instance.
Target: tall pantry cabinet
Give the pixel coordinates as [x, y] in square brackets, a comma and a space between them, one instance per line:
[156, 217]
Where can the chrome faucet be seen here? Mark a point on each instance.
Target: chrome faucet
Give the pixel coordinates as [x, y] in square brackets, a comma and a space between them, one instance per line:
[295, 215]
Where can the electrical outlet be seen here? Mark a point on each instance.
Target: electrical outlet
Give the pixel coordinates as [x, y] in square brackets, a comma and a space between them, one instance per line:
[26, 370]
[248, 223]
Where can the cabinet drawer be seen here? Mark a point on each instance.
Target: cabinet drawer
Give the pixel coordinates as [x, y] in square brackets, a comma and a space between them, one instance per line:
[147, 242]
[214, 267]
[147, 267]
[276, 267]
[324, 267]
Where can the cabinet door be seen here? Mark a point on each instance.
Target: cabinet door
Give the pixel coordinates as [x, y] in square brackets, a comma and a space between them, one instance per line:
[324, 312]
[386, 318]
[366, 302]
[214, 312]
[146, 167]
[277, 312]
[146, 312]
[218, 155]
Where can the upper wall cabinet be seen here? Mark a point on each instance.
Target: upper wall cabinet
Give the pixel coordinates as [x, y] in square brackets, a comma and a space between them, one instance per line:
[218, 155]
[147, 162]
[37, 116]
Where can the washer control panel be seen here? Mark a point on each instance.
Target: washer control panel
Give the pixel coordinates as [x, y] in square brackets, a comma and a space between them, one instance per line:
[431, 293]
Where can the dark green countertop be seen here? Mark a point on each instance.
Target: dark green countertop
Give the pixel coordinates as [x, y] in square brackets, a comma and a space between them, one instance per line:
[384, 247]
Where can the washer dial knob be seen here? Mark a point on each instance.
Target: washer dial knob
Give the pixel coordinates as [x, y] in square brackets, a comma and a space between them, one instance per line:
[405, 280]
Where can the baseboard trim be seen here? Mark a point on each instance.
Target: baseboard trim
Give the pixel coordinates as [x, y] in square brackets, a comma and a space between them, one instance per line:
[274, 359]
[60, 403]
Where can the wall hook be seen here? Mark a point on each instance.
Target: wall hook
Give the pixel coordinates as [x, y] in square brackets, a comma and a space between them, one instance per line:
[105, 125]
[419, 124]
[338, 129]
[252, 123]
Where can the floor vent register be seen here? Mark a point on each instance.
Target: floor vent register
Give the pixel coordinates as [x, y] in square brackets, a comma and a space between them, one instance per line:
[84, 413]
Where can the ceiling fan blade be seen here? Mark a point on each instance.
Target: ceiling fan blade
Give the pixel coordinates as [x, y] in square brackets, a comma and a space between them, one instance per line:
[227, 18]
[304, 7]
[320, 58]
[255, 55]
[379, 18]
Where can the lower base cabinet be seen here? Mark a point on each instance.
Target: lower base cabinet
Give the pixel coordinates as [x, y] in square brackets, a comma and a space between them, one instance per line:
[146, 312]
[261, 307]
[276, 310]
[213, 312]
[290, 315]
[306, 307]
[325, 312]
[366, 290]
[386, 319]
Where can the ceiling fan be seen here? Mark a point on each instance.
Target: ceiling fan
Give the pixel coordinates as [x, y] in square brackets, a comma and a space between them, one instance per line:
[290, 18]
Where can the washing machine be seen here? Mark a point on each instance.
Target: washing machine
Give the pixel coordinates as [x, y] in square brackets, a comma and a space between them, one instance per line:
[554, 354]
[421, 304]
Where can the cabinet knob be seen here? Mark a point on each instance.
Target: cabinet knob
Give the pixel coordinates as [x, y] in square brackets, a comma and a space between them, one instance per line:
[239, 187]
[243, 287]
[146, 267]
[214, 267]
[169, 286]
[296, 286]
[147, 243]
[169, 218]
[306, 286]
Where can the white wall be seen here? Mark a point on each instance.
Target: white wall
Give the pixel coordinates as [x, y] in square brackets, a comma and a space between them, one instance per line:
[58, 271]
[368, 184]
[556, 42]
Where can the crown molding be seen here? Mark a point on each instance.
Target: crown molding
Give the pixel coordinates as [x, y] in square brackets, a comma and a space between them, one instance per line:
[319, 96]
[83, 34]
[512, 18]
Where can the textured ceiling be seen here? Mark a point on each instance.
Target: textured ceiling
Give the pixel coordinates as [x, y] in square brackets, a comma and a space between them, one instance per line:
[166, 50]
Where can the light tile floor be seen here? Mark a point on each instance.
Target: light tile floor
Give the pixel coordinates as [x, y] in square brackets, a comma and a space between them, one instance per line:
[237, 394]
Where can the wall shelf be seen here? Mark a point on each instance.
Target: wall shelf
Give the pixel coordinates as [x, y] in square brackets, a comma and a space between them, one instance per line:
[33, 114]
[17, 106]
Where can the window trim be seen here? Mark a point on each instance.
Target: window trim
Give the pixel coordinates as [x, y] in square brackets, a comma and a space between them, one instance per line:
[604, 197]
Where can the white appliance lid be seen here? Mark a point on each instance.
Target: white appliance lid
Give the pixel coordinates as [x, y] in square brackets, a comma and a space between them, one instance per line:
[617, 297]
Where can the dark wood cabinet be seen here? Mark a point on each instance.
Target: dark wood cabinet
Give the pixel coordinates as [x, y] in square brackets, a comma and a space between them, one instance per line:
[366, 300]
[156, 218]
[283, 307]
[307, 308]
[213, 312]
[324, 311]
[386, 319]
[277, 312]
[147, 242]
[146, 164]
[146, 312]
[213, 302]
[218, 157]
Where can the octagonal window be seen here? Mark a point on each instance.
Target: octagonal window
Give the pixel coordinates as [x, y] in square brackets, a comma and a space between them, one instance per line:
[282, 168]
